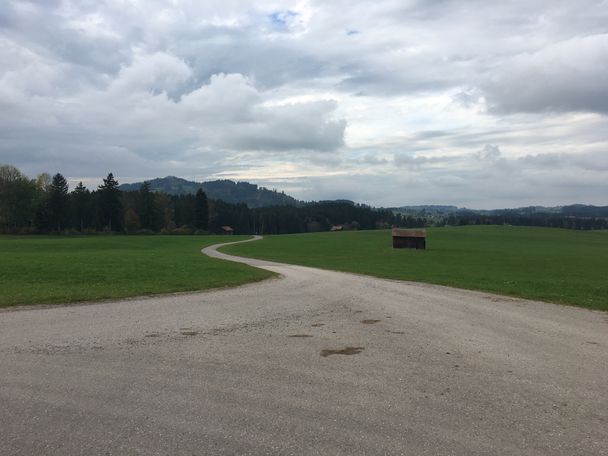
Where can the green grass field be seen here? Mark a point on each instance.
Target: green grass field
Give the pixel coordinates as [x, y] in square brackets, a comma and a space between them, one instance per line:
[562, 266]
[36, 270]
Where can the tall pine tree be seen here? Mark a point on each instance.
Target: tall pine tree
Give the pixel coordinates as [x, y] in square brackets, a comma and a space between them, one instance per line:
[149, 213]
[58, 202]
[110, 206]
[201, 211]
[80, 204]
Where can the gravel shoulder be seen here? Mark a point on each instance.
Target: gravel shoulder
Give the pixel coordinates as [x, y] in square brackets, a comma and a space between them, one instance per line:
[315, 362]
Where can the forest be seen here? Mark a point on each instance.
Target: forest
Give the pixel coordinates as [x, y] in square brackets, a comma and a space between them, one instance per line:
[47, 205]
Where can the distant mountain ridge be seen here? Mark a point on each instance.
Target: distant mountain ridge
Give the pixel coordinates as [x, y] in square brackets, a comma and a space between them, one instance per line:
[254, 197]
[225, 190]
[572, 210]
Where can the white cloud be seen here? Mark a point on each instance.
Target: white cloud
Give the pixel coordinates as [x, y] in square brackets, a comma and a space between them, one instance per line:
[439, 101]
[135, 111]
[157, 72]
[565, 76]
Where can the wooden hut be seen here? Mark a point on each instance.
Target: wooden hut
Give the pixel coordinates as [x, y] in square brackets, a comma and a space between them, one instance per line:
[409, 239]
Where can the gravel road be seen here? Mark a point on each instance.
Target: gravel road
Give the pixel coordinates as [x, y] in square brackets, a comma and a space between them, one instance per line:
[313, 362]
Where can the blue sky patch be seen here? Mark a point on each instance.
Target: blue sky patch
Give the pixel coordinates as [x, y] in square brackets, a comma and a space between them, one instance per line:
[282, 18]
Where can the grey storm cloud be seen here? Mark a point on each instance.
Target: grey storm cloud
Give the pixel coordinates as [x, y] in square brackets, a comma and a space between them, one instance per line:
[354, 99]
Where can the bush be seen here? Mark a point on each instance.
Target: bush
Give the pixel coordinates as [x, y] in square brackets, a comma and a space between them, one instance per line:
[183, 230]
[24, 230]
[145, 232]
[70, 232]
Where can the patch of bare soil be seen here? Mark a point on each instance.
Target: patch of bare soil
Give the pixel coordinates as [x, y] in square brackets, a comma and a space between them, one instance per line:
[344, 351]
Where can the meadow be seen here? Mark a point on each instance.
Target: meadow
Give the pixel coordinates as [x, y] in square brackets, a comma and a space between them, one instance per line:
[53, 269]
[548, 264]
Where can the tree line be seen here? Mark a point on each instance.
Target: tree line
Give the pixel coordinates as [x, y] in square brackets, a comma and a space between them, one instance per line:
[542, 219]
[46, 205]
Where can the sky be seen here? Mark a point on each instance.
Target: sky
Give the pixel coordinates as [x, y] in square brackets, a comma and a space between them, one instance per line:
[475, 103]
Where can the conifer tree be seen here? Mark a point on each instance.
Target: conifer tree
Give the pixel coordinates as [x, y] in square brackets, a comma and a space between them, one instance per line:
[110, 206]
[201, 211]
[80, 203]
[149, 213]
[58, 202]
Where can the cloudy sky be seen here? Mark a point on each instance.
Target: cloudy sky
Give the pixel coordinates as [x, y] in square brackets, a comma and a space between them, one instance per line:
[476, 103]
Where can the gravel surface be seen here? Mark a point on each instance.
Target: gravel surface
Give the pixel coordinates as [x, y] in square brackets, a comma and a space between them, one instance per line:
[314, 362]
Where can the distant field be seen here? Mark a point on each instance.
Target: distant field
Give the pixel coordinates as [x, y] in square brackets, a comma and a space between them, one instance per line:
[555, 265]
[35, 269]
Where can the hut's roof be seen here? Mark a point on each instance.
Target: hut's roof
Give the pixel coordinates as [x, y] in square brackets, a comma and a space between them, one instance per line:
[402, 232]
[227, 228]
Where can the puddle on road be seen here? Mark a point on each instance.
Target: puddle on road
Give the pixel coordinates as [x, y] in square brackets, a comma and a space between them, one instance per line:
[369, 322]
[188, 332]
[300, 335]
[344, 351]
[316, 325]
[394, 332]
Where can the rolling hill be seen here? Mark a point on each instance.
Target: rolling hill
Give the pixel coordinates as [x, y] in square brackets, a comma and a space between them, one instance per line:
[225, 190]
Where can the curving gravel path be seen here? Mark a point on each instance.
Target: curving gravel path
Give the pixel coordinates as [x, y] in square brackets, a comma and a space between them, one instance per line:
[314, 362]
